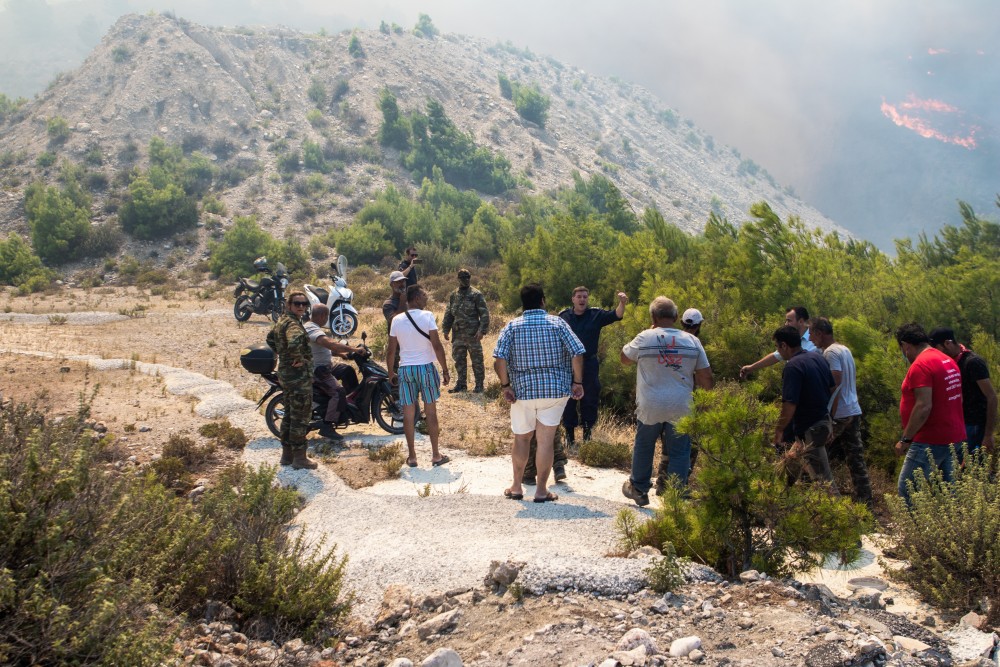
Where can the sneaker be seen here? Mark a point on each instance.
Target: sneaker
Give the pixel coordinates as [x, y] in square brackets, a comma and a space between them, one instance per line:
[458, 389]
[560, 473]
[629, 491]
[478, 389]
[330, 433]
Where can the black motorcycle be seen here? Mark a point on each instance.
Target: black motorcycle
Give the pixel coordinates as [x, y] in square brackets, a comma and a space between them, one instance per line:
[264, 298]
[373, 398]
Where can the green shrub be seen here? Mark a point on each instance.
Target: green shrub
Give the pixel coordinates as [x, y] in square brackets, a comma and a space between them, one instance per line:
[531, 104]
[59, 227]
[104, 239]
[10, 108]
[317, 93]
[96, 566]
[225, 435]
[19, 265]
[666, 574]
[424, 27]
[187, 450]
[354, 47]
[950, 535]
[316, 118]
[364, 243]
[240, 246]
[154, 209]
[600, 454]
[506, 88]
[741, 513]
[46, 159]
[212, 204]
[58, 130]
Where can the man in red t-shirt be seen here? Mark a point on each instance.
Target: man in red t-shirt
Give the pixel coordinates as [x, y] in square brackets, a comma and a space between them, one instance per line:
[930, 407]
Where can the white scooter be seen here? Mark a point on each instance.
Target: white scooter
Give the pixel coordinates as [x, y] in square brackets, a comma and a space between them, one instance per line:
[343, 316]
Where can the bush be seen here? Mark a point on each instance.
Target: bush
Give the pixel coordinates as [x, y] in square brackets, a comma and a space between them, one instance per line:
[424, 27]
[354, 47]
[317, 93]
[599, 454]
[225, 435]
[46, 159]
[667, 573]
[59, 227]
[187, 450]
[962, 571]
[104, 239]
[95, 566]
[154, 210]
[531, 104]
[20, 266]
[58, 130]
[240, 246]
[364, 243]
[506, 88]
[741, 512]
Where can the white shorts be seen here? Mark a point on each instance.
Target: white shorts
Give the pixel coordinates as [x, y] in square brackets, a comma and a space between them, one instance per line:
[545, 411]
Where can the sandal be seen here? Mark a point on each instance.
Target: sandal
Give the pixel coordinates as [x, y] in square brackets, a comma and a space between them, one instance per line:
[512, 496]
[441, 461]
[547, 498]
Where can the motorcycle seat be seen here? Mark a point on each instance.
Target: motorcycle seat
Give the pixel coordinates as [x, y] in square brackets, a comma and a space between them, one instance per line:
[252, 285]
[321, 294]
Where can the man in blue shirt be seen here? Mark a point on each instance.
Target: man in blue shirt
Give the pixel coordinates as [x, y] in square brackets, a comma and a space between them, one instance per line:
[539, 361]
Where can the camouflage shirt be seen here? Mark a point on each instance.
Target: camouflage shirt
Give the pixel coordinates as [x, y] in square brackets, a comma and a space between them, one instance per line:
[467, 313]
[288, 338]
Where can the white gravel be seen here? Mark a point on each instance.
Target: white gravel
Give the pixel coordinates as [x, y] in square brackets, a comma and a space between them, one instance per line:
[83, 318]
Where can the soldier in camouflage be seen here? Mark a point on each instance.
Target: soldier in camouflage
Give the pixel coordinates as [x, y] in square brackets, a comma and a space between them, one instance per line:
[289, 340]
[468, 318]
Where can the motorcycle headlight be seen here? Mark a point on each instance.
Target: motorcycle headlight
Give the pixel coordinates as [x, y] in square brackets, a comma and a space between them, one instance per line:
[284, 283]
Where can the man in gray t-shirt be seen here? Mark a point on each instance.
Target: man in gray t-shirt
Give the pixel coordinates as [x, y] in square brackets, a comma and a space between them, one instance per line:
[671, 363]
[846, 411]
[323, 347]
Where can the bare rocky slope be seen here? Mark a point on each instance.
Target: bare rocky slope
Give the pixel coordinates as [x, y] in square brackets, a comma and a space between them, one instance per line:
[235, 94]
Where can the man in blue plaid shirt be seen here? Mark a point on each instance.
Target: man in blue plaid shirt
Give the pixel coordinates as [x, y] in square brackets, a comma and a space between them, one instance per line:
[539, 361]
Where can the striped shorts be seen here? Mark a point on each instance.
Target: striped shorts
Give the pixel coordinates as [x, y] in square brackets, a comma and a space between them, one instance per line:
[422, 380]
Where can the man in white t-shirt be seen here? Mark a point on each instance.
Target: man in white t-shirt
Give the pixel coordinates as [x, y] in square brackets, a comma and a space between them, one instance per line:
[846, 411]
[671, 364]
[414, 335]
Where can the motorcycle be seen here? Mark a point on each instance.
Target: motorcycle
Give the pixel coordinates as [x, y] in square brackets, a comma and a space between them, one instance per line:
[373, 398]
[264, 298]
[343, 315]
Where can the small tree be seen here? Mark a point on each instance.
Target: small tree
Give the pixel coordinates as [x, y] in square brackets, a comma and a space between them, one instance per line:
[59, 227]
[742, 513]
[354, 47]
[506, 88]
[395, 131]
[241, 244]
[18, 264]
[155, 209]
[317, 93]
[58, 130]
[531, 104]
[424, 27]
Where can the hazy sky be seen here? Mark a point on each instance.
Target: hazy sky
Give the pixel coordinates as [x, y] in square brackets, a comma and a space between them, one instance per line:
[802, 87]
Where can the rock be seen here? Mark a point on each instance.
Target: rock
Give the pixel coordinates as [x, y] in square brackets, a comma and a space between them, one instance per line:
[443, 657]
[967, 643]
[777, 652]
[195, 492]
[610, 662]
[439, 624]
[401, 662]
[750, 575]
[637, 637]
[396, 602]
[293, 645]
[683, 646]
[696, 655]
[661, 606]
[502, 574]
[218, 611]
[868, 598]
[645, 552]
[432, 602]
[909, 644]
[145, 429]
[972, 619]
[832, 637]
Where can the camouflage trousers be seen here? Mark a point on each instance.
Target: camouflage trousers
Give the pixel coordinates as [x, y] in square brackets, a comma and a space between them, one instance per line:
[460, 346]
[559, 457]
[847, 443]
[298, 414]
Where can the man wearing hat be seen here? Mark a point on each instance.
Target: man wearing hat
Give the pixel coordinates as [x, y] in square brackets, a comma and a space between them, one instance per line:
[468, 318]
[979, 398]
[396, 303]
[691, 321]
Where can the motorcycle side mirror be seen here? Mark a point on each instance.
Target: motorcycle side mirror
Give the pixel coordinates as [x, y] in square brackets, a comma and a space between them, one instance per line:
[364, 336]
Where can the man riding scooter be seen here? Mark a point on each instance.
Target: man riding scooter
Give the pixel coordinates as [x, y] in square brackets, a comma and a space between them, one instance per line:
[324, 375]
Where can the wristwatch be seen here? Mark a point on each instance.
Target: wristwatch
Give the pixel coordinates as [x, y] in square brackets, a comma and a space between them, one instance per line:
[906, 440]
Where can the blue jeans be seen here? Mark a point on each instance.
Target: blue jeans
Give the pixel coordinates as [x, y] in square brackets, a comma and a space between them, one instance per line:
[919, 457]
[677, 447]
[974, 434]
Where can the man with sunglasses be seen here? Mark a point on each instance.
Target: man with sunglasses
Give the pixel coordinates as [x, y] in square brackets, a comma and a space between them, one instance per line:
[408, 267]
[288, 338]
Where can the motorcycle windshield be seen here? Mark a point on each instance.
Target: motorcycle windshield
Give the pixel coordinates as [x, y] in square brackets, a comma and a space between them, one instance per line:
[280, 270]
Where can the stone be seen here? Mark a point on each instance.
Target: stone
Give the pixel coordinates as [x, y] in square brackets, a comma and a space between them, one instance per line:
[683, 646]
[397, 601]
[967, 643]
[832, 637]
[748, 576]
[909, 644]
[645, 552]
[401, 662]
[443, 657]
[439, 624]
[293, 645]
[637, 637]
[777, 652]
[696, 655]
[432, 602]
[502, 574]
[972, 619]
[867, 598]
[145, 429]
[661, 606]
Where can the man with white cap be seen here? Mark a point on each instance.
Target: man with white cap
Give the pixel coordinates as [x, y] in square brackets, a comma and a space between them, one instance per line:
[396, 303]
[691, 321]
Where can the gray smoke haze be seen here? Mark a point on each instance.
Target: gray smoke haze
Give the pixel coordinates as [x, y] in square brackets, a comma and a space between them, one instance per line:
[799, 87]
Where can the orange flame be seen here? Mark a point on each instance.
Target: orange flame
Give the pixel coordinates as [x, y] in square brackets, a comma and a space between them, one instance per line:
[909, 115]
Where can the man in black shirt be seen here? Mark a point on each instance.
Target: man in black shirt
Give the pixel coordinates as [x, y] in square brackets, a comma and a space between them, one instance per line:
[806, 388]
[979, 398]
[408, 267]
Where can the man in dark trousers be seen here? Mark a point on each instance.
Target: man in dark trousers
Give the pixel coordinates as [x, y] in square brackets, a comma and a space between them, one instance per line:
[979, 398]
[408, 267]
[806, 388]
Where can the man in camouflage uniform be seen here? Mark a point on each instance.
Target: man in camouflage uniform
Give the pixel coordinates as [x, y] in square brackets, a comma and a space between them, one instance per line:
[289, 340]
[468, 318]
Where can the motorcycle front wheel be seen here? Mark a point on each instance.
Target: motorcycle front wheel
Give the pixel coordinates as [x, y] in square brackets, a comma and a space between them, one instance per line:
[243, 308]
[343, 323]
[276, 312]
[388, 411]
[274, 414]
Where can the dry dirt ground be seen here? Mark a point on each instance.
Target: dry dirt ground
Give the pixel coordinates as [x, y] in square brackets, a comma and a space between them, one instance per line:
[184, 330]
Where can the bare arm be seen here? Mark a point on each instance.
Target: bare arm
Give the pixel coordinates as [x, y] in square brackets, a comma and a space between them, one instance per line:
[625, 360]
[760, 364]
[439, 352]
[338, 348]
[500, 367]
[703, 378]
[990, 393]
[921, 411]
[622, 300]
[576, 389]
[838, 378]
[390, 357]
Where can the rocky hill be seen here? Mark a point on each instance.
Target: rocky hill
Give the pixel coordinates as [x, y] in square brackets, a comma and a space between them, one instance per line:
[242, 97]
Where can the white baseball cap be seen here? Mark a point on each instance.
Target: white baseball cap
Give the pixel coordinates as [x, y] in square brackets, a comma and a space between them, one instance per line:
[692, 316]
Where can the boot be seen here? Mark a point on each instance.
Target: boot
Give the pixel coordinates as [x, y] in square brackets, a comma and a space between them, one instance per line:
[330, 433]
[586, 433]
[478, 389]
[286, 455]
[570, 439]
[300, 461]
[457, 389]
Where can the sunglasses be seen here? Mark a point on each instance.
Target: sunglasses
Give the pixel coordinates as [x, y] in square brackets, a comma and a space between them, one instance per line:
[300, 303]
